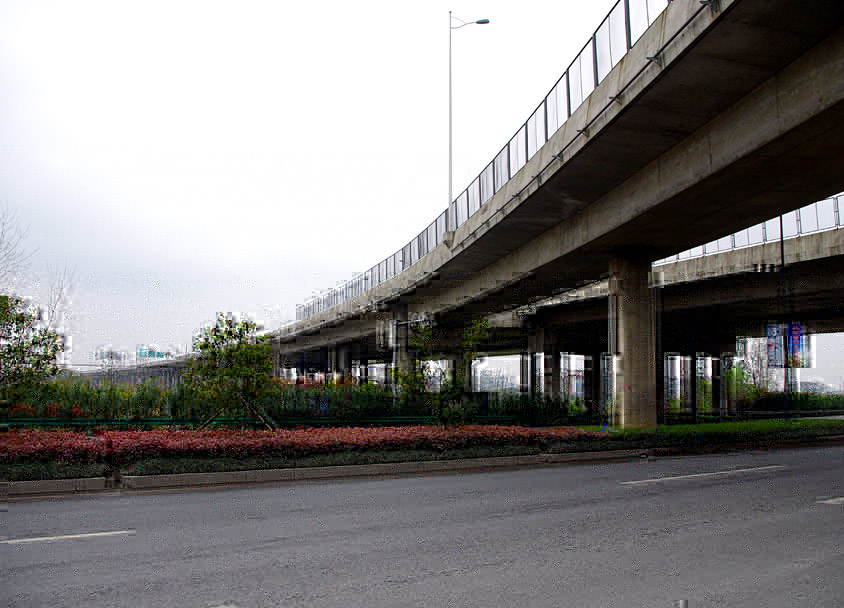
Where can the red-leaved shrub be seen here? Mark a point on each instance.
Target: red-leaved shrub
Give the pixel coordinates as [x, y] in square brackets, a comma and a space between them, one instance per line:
[129, 446]
[21, 411]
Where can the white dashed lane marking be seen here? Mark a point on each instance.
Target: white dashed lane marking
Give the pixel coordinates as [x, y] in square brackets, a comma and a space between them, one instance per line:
[47, 539]
[701, 475]
[833, 501]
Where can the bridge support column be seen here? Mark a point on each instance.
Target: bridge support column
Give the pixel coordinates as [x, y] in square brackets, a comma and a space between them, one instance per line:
[458, 368]
[524, 372]
[551, 366]
[343, 362]
[594, 382]
[632, 341]
[401, 356]
[466, 368]
[276, 356]
[536, 362]
[331, 366]
[452, 363]
[298, 364]
[659, 353]
[536, 341]
[363, 371]
[727, 383]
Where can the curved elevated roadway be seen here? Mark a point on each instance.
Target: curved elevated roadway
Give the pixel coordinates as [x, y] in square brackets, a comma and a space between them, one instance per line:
[722, 115]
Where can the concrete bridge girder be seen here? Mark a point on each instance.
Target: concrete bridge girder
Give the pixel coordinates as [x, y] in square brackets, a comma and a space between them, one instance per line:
[727, 175]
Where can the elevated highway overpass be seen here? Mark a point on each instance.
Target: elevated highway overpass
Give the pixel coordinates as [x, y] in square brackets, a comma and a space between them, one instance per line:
[704, 299]
[720, 115]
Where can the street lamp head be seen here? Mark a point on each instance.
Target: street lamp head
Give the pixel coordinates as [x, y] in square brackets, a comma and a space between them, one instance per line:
[465, 23]
[451, 26]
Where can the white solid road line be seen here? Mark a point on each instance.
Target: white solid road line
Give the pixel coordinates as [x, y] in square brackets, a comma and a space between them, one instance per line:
[697, 475]
[43, 539]
[833, 501]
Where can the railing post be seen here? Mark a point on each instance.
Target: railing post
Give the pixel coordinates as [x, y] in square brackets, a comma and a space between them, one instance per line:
[545, 113]
[509, 169]
[527, 141]
[595, 56]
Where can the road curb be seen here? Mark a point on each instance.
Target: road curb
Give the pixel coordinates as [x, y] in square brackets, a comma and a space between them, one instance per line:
[23, 489]
[54, 486]
[70, 487]
[136, 482]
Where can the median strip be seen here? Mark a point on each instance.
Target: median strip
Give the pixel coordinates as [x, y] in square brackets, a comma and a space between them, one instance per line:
[48, 463]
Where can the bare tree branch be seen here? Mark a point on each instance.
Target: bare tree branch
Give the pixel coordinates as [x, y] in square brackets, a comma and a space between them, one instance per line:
[13, 257]
[59, 297]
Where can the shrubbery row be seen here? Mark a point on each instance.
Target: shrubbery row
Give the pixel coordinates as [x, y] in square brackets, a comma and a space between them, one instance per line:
[770, 402]
[70, 398]
[122, 447]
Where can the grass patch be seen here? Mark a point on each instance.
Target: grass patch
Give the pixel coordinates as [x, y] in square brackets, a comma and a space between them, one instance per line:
[753, 431]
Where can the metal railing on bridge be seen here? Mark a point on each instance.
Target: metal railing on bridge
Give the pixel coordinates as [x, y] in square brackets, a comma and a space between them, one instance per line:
[817, 217]
[618, 32]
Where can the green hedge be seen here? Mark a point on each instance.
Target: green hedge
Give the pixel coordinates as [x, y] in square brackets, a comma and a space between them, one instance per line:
[794, 401]
[74, 399]
[539, 410]
[68, 399]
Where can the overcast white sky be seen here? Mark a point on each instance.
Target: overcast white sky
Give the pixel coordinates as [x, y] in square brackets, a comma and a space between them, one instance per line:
[184, 158]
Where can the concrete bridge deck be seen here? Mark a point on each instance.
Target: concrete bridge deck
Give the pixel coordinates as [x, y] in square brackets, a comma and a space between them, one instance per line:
[738, 117]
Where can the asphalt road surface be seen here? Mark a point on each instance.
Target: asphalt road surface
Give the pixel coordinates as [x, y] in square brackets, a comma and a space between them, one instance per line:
[757, 529]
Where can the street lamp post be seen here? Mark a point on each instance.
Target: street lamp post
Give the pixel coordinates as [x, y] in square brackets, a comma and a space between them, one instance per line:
[451, 26]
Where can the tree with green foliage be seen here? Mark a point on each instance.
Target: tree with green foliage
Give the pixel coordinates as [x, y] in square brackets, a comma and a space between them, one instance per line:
[29, 348]
[233, 366]
[740, 387]
[413, 383]
[450, 404]
[453, 403]
[475, 334]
